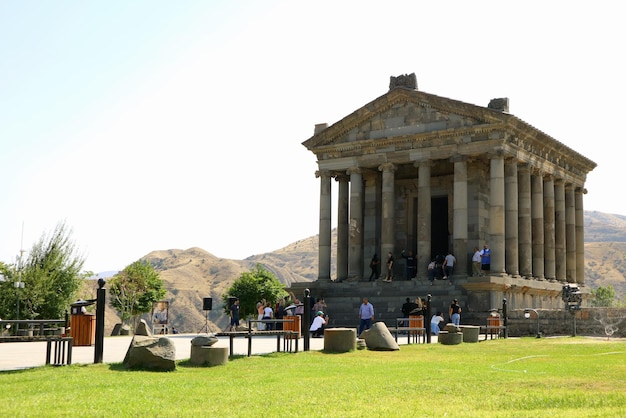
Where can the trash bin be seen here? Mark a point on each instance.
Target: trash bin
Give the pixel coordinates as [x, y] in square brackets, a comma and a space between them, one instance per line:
[292, 326]
[82, 324]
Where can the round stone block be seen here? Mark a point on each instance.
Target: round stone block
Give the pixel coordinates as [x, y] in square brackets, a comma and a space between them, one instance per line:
[339, 340]
[450, 338]
[470, 333]
[208, 355]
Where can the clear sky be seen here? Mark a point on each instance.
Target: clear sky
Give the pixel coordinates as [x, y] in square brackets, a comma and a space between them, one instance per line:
[150, 125]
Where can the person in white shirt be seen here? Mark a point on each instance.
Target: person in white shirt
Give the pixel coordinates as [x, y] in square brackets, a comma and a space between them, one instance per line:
[434, 323]
[448, 266]
[317, 327]
[476, 262]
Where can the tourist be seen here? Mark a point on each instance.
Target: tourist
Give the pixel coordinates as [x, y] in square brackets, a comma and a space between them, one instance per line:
[389, 277]
[320, 305]
[439, 266]
[279, 312]
[268, 313]
[476, 262]
[411, 265]
[366, 314]
[234, 315]
[432, 266]
[407, 308]
[260, 308]
[455, 312]
[374, 267]
[317, 327]
[448, 266]
[485, 259]
[434, 323]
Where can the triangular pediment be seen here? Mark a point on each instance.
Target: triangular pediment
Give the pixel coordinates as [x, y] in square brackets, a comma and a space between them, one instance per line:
[404, 112]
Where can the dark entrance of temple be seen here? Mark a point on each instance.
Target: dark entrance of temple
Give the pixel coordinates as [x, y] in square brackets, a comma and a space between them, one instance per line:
[439, 226]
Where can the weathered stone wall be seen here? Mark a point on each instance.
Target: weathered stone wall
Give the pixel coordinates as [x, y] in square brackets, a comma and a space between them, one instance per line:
[599, 322]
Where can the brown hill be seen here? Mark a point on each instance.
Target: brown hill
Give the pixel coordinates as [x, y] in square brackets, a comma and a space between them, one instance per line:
[193, 274]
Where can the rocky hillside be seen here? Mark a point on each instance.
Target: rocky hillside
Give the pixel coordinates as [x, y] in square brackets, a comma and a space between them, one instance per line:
[193, 274]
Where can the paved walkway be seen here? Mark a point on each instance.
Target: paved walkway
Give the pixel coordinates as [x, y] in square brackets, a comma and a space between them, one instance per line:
[15, 356]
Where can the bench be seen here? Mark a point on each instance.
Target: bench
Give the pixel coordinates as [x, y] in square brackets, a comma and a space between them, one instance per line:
[289, 336]
[414, 331]
[31, 329]
[493, 330]
[62, 350]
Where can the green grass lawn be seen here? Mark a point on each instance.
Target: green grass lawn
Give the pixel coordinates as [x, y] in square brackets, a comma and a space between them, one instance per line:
[528, 377]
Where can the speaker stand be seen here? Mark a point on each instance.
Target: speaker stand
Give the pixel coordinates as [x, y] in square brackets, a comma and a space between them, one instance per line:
[206, 327]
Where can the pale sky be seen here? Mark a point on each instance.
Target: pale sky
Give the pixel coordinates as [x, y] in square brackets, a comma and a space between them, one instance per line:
[151, 125]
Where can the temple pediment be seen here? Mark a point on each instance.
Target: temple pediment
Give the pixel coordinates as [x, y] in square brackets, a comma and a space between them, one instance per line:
[403, 112]
[405, 124]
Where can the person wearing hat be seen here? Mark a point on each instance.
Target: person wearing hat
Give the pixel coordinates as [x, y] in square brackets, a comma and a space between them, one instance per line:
[317, 327]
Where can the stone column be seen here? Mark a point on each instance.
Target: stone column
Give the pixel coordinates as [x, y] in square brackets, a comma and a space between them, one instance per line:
[388, 209]
[355, 254]
[559, 230]
[511, 217]
[496, 214]
[536, 215]
[423, 217]
[580, 236]
[325, 229]
[524, 223]
[460, 213]
[570, 233]
[342, 227]
[548, 227]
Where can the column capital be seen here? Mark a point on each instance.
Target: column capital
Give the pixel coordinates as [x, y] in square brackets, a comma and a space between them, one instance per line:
[559, 182]
[581, 190]
[354, 170]
[459, 159]
[423, 163]
[524, 167]
[387, 167]
[496, 154]
[339, 177]
[323, 173]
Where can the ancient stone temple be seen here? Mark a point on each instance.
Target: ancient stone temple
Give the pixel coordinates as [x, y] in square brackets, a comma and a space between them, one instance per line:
[428, 174]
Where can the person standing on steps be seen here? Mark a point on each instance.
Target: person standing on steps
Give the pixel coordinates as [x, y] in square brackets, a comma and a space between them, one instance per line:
[476, 262]
[411, 265]
[389, 277]
[485, 259]
[374, 267]
[448, 266]
[455, 312]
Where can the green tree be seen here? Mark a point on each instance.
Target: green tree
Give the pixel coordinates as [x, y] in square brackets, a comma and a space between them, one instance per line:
[134, 289]
[252, 287]
[603, 296]
[51, 275]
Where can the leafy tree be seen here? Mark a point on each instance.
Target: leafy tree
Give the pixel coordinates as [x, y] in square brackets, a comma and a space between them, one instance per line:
[604, 296]
[134, 289]
[252, 287]
[51, 275]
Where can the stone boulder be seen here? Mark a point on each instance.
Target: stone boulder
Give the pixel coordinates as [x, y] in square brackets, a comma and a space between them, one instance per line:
[149, 352]
[379, 338]
[143, 329]
[205, 340]
[125, 329]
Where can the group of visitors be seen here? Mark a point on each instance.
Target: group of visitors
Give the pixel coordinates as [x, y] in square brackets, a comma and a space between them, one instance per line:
[454, 313]
[481, 261]
[439, 268]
